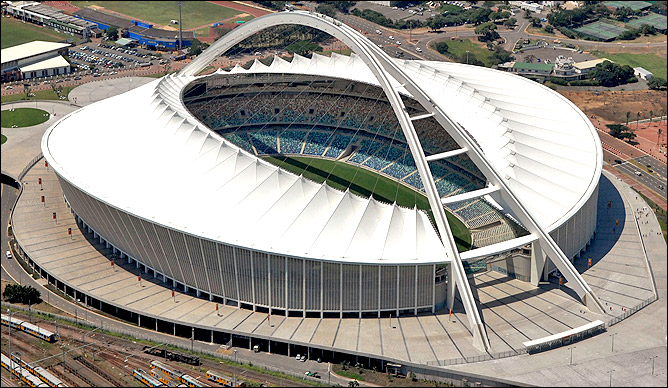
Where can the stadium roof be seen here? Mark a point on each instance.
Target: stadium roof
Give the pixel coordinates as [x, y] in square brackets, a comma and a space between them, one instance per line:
[30, 49]
[160, 163]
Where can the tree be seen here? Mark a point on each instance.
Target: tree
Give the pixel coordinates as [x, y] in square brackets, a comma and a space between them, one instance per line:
[529, 58]
[326, 9]
[501, 56]
[27, 89]
[527, 14]
[623, 13]
[646, 29]
[651, 116]
[197, 47]
[657, 83]
[637, 119]
[612, 74]
[436, 22]
[16, 293]
[167, 66]
[628, 115]
[510, 22]
[112, 33]
[487, 32]
[441, 47]
[658, 137]
[535, 22]
[549, 29]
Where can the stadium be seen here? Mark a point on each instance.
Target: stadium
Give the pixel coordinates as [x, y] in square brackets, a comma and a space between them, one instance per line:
[341, 186]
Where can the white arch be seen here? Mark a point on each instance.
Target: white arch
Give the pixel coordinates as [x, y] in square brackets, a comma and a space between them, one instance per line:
[383, 67]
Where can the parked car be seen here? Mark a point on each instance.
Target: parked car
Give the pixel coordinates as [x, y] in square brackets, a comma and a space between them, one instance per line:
[8, 254]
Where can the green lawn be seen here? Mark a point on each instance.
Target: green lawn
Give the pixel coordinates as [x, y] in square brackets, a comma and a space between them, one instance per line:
[457, 51]
[39, 95]
[15, 32]
[363, 182]
[651, 62]
[24, 117]
[194, 13]
[3, 139]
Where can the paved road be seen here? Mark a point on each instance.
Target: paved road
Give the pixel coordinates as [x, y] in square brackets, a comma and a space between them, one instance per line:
[652, 182]
[658, 167]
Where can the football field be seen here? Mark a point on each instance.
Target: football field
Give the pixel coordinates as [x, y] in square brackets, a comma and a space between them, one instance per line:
[364, 182]
[194, 13]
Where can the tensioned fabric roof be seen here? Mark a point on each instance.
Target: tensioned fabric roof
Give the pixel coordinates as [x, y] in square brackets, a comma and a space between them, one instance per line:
[160, 163]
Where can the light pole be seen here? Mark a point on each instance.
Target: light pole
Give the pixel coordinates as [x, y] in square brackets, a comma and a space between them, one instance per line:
[235, 367]
[653, 358]
[610, 375]
[613, 341]
[467, 57]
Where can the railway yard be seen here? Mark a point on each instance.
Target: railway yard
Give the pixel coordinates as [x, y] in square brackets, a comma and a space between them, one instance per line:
[83, 358]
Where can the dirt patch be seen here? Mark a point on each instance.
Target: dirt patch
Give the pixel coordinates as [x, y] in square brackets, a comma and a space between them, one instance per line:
[64, 5]
[611, 106]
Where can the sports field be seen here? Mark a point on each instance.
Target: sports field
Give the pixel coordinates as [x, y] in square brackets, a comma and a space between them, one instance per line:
[600, 30]
[655, 20]
[15, 32]
[363, 182]
[652, 62]
[23, 117]
[194, 13]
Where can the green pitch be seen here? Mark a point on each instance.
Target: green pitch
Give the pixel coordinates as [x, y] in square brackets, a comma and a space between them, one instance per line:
[194, 13]
[366, 183]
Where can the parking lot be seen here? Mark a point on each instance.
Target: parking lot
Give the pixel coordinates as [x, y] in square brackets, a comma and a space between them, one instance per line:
[421, 12]
[104, 56]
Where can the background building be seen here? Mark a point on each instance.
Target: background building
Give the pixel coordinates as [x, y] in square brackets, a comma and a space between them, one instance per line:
[34, 59]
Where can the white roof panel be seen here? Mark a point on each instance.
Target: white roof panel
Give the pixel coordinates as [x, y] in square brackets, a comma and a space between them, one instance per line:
[242, 200]
[30, 49]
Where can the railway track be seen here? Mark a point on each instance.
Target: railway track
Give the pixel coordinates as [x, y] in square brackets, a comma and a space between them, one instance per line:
[79, 370]
[90, 365]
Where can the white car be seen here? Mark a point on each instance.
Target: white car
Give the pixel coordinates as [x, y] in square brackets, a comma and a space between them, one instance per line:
[397, 42]
[8, 254]
[391, 37]
[418, 49]
[298, 357]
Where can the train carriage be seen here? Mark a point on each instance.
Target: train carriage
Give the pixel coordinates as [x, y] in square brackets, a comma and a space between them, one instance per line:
[147, 379]
[29, 328]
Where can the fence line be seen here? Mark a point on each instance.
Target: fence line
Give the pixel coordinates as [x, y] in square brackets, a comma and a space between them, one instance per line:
[29, 166]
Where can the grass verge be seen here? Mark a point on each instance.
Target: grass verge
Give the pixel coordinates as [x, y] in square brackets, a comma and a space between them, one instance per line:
[38, 95]
[457, 51]
[23, 117]
[15, 32]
